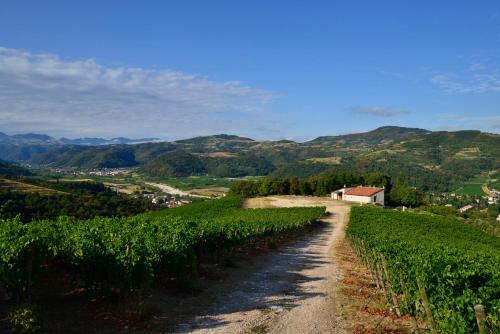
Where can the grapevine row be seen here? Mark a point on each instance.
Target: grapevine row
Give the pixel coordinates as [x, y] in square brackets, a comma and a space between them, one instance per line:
[415, 257]
[125, 255]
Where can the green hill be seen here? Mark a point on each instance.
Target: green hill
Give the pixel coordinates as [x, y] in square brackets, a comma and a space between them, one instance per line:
[382, 135]
[427, 160]
[7, 169]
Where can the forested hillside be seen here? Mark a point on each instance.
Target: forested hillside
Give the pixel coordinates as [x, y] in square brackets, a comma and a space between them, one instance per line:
[427, 160]
[7, 169]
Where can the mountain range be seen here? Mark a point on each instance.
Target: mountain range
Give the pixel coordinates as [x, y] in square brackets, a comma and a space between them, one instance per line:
[426, 159]
[34, 138]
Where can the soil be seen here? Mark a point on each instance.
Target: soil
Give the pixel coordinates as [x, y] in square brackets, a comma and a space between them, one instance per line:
[288, 290]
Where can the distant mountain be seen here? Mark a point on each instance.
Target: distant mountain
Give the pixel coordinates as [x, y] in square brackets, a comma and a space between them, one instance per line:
[382, 135]
[26, 138]
[26, 147]
[32, 137]
[101, 141]
[214, 139]
[41, 138]
[428, 160]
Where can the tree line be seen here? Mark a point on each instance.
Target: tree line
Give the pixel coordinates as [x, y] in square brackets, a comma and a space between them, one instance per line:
[397, 192]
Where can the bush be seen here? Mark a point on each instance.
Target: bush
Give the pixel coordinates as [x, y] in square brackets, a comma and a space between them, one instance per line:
[25, 319]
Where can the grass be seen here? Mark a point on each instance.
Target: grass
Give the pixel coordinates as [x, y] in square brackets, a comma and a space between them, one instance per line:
[494, 185]
[471, 189]
[472, 186]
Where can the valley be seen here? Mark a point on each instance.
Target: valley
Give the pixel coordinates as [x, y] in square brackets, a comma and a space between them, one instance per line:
[241, 235]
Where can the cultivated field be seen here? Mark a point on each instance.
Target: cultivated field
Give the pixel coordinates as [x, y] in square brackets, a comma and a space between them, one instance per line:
[12, 185]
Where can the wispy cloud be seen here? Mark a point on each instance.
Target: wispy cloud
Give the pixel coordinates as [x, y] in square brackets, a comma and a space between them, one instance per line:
[477, 77]
[83, 97]
[377, 111]
[458, 122]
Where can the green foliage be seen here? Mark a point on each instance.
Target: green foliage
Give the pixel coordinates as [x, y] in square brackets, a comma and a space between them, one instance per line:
[125, 255]
[177, 163]
[7, 169]
[108, 156]
[82, 200]
[25, 319]
[457, 263]
[242, 165]
[403, 195]
[320, 185]
[442, 210]
[245, 188]
[378, 136]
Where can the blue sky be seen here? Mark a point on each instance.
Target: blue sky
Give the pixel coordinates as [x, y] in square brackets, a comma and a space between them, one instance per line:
[264, 69]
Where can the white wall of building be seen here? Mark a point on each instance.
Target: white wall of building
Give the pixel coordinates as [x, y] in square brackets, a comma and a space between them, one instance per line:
[377, 198]
[380, 197]
[358, 199]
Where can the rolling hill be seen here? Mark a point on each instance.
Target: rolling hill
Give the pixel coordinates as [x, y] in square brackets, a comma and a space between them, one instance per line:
[7, 169]
[428, 160]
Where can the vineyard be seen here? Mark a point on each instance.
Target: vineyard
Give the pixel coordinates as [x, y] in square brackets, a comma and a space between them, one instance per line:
[126, 255]
[442, 272]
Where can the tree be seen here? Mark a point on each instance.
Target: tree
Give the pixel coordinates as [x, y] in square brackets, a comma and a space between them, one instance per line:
[294, 186]
[245, 188]
[403, 195]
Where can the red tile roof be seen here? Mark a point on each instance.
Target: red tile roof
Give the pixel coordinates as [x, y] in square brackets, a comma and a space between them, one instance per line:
[363, 191]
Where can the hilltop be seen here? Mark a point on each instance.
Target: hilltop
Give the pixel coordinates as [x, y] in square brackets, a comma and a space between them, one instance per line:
[425, 158]
[382, 135]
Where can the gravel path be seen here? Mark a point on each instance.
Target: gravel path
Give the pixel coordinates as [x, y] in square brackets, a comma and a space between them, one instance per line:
[173, 191]
[289, 290]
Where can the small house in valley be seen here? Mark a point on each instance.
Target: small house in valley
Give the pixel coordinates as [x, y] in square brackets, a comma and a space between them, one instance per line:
[373, 195]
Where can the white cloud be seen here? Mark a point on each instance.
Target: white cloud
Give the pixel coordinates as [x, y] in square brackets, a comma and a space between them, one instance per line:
[43, 92]
[377, 111]
[475, 78]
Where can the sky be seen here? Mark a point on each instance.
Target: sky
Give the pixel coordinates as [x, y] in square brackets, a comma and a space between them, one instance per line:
[261, 69]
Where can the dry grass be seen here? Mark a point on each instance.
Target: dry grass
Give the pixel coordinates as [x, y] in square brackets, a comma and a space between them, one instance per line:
[215, 191]
[26, 187]
[468, 153]
[219, 155]
[363, 305]
[327, 160]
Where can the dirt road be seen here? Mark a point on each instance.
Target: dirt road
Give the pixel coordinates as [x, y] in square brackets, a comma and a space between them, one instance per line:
[289, 290]
[486, 190]
[173, 191]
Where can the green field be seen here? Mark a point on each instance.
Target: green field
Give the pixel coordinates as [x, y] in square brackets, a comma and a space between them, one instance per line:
[494, 185]
[472, 186]
[471, 189]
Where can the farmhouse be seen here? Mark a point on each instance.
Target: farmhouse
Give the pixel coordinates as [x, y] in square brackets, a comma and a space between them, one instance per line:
[360, 194]
[466, 208]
